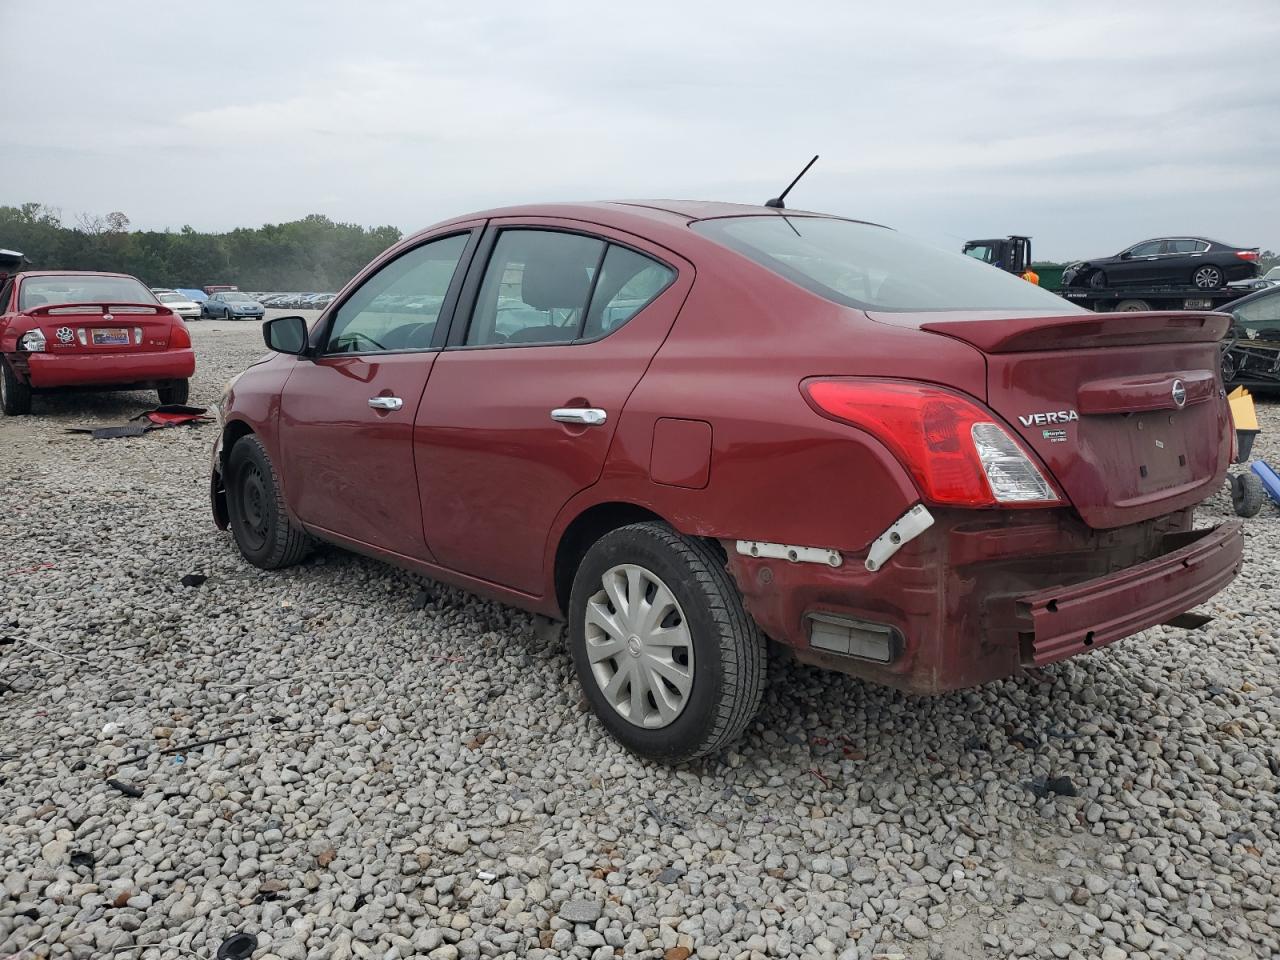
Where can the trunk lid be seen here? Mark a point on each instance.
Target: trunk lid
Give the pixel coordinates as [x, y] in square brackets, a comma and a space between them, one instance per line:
[102, 328]
[1126, 410]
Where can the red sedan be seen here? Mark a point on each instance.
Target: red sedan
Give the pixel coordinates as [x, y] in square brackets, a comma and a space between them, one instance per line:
[88, 331]
[688, 427]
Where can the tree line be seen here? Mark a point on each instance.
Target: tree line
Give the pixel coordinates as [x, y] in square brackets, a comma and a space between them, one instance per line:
[313, 254]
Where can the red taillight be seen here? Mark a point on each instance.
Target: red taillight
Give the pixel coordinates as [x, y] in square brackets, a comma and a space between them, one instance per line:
[932, 433]
[1247, 254]
[179, 335]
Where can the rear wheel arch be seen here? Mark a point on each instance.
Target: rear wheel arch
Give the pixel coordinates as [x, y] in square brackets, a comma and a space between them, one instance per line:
[583, 531]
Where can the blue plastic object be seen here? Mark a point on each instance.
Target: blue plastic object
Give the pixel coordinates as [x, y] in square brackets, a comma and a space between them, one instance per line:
[1270, 479]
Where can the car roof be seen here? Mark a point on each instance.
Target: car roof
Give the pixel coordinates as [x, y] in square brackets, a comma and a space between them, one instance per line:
[74, 273]
[1249, 298]
[658, 220]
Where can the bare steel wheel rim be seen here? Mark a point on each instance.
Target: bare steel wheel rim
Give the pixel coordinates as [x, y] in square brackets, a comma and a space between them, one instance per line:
[1207, 277]
[639, 646]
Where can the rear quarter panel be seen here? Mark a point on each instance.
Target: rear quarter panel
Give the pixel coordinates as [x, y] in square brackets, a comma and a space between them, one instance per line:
[737, 354]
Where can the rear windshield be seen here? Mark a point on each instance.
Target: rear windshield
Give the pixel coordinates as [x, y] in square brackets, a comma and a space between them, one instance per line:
[875, 268]
[39, 291]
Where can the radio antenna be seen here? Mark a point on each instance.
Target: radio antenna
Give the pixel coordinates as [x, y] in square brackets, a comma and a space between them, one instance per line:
[776, 202]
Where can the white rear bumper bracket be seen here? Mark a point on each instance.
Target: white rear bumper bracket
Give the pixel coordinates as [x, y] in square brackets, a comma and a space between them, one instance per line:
[903, 530]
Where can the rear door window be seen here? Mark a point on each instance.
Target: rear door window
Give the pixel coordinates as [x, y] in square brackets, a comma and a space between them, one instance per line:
[628, 283]
[536, 288]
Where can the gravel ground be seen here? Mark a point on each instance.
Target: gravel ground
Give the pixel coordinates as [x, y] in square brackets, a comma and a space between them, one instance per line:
[405, 770]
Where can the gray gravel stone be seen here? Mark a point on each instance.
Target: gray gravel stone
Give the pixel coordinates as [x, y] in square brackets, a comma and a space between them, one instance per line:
[413, 779]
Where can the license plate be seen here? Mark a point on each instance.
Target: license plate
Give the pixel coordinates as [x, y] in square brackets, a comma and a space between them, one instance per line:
[111, 337]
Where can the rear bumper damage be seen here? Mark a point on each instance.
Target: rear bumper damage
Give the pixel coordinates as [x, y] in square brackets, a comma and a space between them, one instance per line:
[1060, 622]
[46, 371]
[981, 596]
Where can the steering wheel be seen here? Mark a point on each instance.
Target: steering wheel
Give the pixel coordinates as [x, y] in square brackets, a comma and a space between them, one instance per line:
[363, 336]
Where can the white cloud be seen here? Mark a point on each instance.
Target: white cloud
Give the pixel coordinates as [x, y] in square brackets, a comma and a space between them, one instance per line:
[1096, 122]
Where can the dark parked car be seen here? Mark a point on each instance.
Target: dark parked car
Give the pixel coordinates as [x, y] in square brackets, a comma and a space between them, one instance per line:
[1251, 353]
[684, 427]
[1178, 261]
[232, 305]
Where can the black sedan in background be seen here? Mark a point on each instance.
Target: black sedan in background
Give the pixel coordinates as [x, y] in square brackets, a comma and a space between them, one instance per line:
[1168, 261]
[1251, 351]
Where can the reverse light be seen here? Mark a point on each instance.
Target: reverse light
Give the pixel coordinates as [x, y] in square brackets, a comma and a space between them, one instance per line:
[32, 341]
[954, 449]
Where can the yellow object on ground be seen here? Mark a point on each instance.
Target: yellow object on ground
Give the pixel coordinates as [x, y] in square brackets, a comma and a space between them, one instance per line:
[1242, 411]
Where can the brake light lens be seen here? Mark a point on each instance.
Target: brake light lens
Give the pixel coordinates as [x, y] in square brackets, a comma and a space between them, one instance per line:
[957, 453]
[1247, 254]
[179, 335]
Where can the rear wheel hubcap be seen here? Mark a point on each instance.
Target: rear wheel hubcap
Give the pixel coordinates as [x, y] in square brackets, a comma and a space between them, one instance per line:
[639, 646]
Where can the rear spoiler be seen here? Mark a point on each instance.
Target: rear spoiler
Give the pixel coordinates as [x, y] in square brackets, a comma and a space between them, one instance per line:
[1086, 330]
[103, 306]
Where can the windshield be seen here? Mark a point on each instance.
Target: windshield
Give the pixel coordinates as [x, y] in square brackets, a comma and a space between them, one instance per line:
[875, 268]
[235, 297]
[38, 291]
[171, 298]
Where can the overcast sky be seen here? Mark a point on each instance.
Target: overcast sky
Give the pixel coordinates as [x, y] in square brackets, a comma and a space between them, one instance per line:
[1087, 125]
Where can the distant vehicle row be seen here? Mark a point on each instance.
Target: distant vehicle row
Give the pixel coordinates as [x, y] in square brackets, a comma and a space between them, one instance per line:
[231, 304]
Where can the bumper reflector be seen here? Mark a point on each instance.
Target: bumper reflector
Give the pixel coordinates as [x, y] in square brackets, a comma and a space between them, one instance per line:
[854, 638]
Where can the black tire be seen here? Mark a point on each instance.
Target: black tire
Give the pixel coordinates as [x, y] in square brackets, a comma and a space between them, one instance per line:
[176, 391]
[266, 536]
[1208, 277]
[15, 396]
[1097, 279]
[1247, 494]
[1131, 306]
[1228, 368]
[728, 650]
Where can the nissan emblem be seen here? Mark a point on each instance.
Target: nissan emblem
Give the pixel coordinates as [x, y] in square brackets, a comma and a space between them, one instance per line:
[1179, 394]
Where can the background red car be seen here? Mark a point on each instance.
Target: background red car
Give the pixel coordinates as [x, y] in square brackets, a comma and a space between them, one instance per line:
[681, 424]
[88, 331]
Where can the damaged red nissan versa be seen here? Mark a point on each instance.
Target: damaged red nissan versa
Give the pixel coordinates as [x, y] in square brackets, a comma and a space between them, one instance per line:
[685, 427]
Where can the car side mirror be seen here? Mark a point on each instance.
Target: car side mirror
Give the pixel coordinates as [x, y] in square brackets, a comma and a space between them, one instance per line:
[286, 335]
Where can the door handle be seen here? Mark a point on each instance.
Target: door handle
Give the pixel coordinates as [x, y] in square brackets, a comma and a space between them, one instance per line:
[386, 403]
[586, 416]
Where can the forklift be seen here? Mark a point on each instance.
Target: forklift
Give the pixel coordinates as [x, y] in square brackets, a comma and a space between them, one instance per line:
[1012, 254]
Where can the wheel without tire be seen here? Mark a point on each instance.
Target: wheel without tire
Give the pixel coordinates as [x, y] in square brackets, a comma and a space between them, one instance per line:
[15, 396]
[177, 391]
[1097, 279]
[1208, 277]
[1247, 494]
[666, 654]
[266, 536]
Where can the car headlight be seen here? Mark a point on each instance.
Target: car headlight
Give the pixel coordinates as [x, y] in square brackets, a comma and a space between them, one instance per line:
[32, 341]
